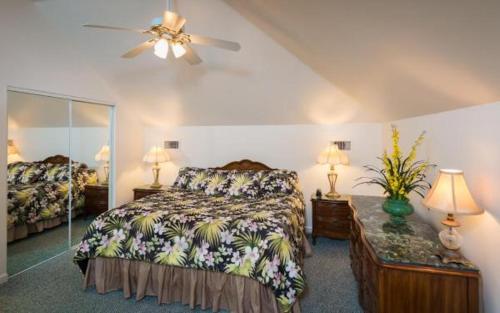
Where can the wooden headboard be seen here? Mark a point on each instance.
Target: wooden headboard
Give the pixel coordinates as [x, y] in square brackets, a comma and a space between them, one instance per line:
[245, 165]
[59, 159]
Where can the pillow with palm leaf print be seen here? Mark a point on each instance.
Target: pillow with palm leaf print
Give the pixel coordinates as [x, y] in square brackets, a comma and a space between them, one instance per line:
[244, 183]
[279, 181]
[25, 172]
[218, 183]
[185, 176]
[57, 173]
[200, 179]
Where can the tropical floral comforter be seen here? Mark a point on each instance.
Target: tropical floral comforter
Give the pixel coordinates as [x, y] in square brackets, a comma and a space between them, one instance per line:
[259, 237]
[38, 191]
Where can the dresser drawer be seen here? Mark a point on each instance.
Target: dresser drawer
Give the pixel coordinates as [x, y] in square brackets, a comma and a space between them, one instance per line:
[333, 210]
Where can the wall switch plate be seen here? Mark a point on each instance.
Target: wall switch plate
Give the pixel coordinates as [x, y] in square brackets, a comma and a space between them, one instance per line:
[343, 145]
[171, 144]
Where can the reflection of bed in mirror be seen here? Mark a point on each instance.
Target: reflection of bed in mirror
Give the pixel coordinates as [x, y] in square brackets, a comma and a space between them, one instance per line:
[38, 194]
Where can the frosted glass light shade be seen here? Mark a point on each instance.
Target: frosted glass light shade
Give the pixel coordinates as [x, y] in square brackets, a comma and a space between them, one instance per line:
[333, 155]
[178, 50]
[103, 154]
[161, 48]
[156, 155]
[450, 194]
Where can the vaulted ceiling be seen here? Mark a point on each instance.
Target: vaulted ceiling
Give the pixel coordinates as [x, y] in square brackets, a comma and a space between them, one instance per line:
[320, 61]
[403, 57]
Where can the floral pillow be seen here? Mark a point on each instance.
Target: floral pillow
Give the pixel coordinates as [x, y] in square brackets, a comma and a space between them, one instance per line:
[25, 172]
[185, 176]
[200, 179]
[218, 183]
[244, 183]
[279, 181]
[60, 172]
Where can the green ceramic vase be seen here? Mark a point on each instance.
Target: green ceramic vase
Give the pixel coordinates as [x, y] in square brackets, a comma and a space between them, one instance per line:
[398, 209]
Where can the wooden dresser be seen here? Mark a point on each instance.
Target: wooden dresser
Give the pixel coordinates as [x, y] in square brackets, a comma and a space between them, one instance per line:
[331, 218]
[401, 272]
[96, 199]
[146, 190]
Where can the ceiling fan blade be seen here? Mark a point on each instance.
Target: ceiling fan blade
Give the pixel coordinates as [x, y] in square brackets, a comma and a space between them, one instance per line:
[219, 43]
[139, 49]
[173, 21]
[191, 56]
[115, 28]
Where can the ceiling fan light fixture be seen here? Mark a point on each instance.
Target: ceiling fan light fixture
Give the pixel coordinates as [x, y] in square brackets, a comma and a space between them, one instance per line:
[161, 48]
[178, 50]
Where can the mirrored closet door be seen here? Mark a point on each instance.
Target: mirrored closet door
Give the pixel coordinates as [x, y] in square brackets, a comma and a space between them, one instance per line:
[59, 160]
[90, 150]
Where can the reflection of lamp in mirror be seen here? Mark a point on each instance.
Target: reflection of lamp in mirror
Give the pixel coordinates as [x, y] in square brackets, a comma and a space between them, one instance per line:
[449, 194]
[332, 155]
[156, 156]
[12, 152]
[103, 156]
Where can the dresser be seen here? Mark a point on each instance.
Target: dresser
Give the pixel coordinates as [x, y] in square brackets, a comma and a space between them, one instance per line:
[146, 190]
[331, 218]
[96, 199]
[401, 272]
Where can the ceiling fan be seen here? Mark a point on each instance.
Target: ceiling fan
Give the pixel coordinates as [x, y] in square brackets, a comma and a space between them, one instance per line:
[169, 31]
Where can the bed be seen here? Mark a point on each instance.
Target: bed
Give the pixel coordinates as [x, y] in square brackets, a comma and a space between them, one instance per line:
[38, 194]
[221, 238]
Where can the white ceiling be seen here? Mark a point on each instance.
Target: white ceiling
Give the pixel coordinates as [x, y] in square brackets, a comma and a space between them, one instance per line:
[370, 60]
[404, 57]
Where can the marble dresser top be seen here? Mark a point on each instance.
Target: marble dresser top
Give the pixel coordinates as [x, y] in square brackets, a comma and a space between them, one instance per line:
[417, 248]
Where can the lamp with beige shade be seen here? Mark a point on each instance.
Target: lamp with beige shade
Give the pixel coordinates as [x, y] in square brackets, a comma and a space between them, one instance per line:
[103, 156]
[12, 152]
[332, 155]
[156, 155]
[449, 194]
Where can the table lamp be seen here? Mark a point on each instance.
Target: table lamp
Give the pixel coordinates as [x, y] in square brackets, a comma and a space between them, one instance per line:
[12, 152]
[156, 156]
[449, 194]
[103, 156]
[332, 155]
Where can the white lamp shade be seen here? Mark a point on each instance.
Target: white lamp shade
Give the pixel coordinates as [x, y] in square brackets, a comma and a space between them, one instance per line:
[450, 194]
[103, 154]
[333, 155]
[156, 155]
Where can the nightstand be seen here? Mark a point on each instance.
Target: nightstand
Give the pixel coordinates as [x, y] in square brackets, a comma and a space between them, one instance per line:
[331, 218]
[146, 190]
[96, 199]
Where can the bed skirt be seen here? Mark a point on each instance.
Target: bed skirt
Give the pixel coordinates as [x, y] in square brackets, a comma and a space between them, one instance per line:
[22, 231]
[207, 289]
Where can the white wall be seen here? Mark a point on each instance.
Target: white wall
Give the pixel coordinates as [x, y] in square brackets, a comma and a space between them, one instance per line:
[293, 147]
[468, 139]
[37, 57]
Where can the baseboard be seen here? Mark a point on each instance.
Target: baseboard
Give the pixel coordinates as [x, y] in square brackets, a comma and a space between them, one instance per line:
[3, 278]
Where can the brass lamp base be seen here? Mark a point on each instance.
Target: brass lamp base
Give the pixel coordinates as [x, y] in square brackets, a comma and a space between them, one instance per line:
[332, 179]
[156, 174]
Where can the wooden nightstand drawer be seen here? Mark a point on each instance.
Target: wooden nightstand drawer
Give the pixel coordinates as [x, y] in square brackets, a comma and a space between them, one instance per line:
[96, 199]
[331, 218]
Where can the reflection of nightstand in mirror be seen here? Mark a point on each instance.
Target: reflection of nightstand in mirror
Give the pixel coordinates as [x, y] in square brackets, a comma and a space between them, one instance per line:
[146, 190]
[96, 199]
[331, 217]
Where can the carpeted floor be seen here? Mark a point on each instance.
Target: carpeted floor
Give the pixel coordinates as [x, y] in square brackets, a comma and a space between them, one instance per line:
[22, 254]
[55, 286]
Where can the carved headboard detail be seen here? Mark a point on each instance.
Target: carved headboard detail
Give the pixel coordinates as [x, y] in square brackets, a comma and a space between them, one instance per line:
[245, 165]
[60, 159]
